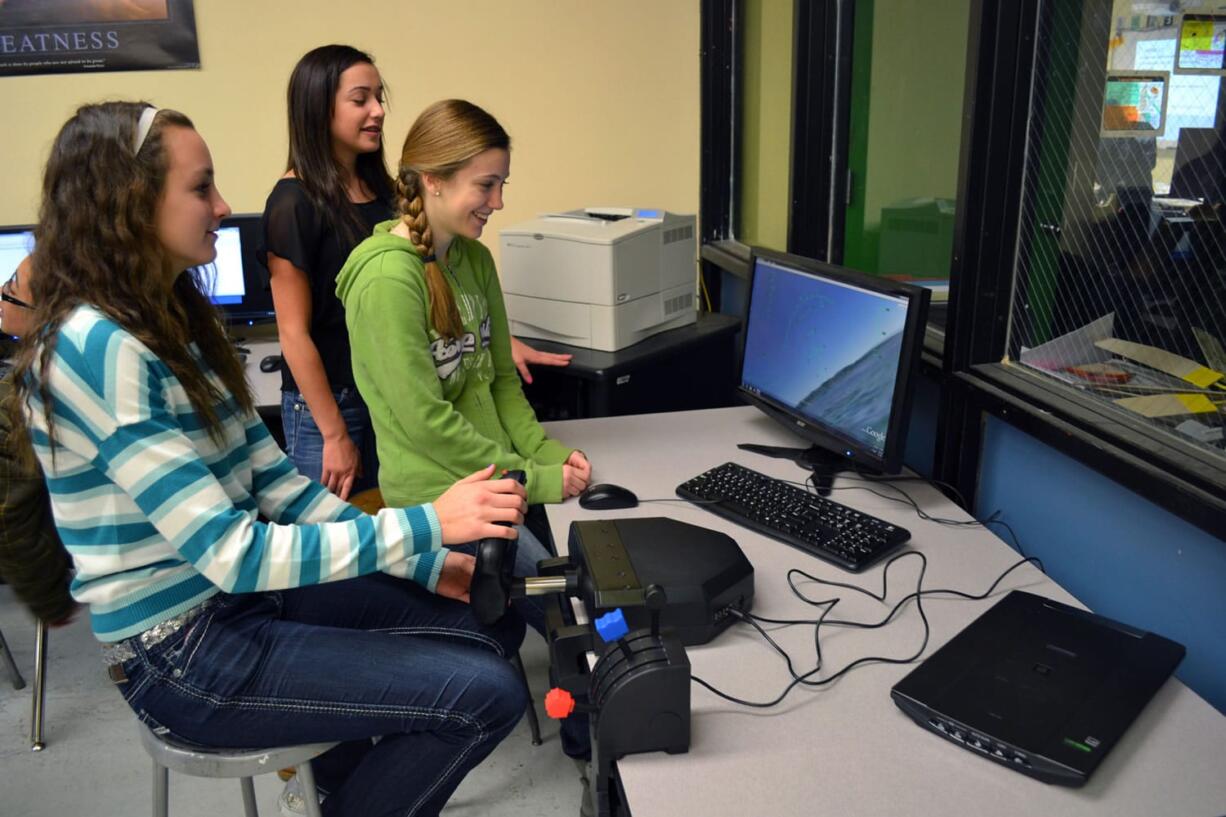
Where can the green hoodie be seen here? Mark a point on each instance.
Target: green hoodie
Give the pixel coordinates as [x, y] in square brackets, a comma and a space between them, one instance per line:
[441, 410]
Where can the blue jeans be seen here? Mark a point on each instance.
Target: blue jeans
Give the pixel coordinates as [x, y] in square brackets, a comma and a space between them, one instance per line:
[304, 442]
[574, 731]
[344, 661]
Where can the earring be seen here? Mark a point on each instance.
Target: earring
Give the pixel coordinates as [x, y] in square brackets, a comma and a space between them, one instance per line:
[438, 192]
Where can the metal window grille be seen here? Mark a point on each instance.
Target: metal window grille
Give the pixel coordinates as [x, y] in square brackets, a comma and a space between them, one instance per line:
[1120, 290]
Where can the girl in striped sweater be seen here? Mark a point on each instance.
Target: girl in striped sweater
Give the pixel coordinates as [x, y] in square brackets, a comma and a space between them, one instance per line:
[239, 604]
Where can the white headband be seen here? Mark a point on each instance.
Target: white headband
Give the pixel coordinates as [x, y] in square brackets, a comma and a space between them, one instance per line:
[142, 128]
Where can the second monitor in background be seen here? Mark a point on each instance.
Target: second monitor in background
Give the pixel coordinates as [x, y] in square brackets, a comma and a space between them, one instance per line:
[236, 280]
[832, 354]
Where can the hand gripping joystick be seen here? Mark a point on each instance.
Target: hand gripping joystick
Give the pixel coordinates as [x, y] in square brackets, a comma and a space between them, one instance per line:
[494, 584]
[490, 591]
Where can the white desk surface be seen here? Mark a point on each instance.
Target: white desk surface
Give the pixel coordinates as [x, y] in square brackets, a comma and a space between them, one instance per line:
[266, 386]
[847, 749]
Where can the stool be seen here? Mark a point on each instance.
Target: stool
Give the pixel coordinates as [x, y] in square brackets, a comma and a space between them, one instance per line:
[40, 686]
[241, 763]
[370, 501]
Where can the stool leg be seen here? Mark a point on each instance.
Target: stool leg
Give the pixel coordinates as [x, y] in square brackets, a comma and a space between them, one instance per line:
[249, 807]
[40, 686]
[533, 724]
[11, 665]
[161, 790]
[310, 794]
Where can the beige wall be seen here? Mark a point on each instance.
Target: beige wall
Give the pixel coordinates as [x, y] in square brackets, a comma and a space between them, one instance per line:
[766, 124]
[601, 99]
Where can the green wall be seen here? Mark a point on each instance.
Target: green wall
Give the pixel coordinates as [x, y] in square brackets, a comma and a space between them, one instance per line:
[906, 119]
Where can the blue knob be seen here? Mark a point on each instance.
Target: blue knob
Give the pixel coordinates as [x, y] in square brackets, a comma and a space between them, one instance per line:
[612, 626]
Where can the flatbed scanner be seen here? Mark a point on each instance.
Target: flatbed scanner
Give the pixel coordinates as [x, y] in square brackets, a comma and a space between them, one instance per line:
[600, 278]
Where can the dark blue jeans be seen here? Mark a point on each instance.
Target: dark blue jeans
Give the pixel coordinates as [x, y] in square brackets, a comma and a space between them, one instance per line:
[304, 442]
[344, 661]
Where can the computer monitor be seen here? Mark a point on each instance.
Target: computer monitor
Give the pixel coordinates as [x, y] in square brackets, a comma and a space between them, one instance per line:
[236, 281]
[15, 244]
[832, 354]
[226, 284]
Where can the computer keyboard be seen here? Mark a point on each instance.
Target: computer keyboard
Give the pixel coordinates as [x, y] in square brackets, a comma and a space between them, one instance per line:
[818, 526]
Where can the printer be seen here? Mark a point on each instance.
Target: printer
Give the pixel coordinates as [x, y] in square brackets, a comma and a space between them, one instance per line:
[601, 278]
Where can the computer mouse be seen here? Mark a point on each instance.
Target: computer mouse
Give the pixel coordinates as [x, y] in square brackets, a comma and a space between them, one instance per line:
[606, 497]
[270, 363]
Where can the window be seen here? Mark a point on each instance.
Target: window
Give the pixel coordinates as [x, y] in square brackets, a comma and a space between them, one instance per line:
[844, 144]
[905, 137]
[1120, 288]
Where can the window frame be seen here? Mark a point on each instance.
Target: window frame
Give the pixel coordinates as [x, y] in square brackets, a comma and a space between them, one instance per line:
[1176, 476]
[817, 103]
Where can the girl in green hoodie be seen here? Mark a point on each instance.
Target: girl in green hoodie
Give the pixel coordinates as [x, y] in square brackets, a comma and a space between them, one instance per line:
[431, 345]
[428, 328]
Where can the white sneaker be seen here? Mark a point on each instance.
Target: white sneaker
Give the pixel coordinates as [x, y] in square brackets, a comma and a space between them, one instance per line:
[292, 801]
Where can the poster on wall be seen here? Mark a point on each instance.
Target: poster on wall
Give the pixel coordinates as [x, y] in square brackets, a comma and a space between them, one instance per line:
[84, 36]
[1202, 44]
[1134, 103]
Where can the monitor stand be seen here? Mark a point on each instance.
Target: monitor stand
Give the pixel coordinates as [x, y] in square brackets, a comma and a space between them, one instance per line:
[823, 464]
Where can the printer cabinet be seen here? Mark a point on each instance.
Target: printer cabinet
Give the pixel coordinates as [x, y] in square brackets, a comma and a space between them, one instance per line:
[693, 367]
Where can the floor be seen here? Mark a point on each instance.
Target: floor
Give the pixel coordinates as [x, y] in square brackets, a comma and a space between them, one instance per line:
[93, 764]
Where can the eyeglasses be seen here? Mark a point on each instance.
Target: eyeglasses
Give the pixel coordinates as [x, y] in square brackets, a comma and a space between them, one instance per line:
[5, 295]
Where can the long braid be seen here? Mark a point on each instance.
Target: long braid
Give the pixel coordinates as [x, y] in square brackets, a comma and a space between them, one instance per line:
[444, 314]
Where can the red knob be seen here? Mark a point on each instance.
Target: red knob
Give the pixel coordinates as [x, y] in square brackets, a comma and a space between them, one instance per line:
[559, 703]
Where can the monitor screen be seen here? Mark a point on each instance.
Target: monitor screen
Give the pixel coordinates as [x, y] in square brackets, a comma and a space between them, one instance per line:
[234, 280]
[833, 351]
[15, 244]
[228, 286]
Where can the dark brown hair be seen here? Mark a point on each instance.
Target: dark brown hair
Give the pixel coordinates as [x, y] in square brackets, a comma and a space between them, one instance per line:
[445, 137]
[96, 243]
[311, 101]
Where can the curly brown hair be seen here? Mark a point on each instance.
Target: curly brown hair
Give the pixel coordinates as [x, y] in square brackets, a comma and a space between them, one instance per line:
[96, 243]
[445, 137]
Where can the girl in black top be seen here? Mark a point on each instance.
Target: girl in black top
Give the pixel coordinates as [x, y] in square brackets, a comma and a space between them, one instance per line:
[335, 189]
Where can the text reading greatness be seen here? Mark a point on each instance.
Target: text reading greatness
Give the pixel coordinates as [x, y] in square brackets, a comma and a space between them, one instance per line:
[58, 42]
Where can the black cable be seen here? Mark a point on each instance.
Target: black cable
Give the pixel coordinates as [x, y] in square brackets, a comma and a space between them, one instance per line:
[829, 604]
[948, 486]
[836, 623]
[797, 680]
[906, 499]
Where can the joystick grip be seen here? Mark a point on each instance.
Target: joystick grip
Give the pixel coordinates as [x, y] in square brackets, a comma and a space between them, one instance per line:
[490, 591]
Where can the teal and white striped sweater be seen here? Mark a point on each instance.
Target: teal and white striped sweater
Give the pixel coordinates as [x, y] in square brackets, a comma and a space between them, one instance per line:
[158, 516]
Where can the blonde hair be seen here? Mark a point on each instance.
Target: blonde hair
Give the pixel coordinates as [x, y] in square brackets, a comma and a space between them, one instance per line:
[445, 137]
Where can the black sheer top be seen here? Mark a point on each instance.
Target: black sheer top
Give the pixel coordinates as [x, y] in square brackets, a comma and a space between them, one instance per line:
[295, 230]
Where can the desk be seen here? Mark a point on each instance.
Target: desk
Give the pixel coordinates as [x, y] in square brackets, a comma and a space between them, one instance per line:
[847, 749]
[265, 386]
[689, 367]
